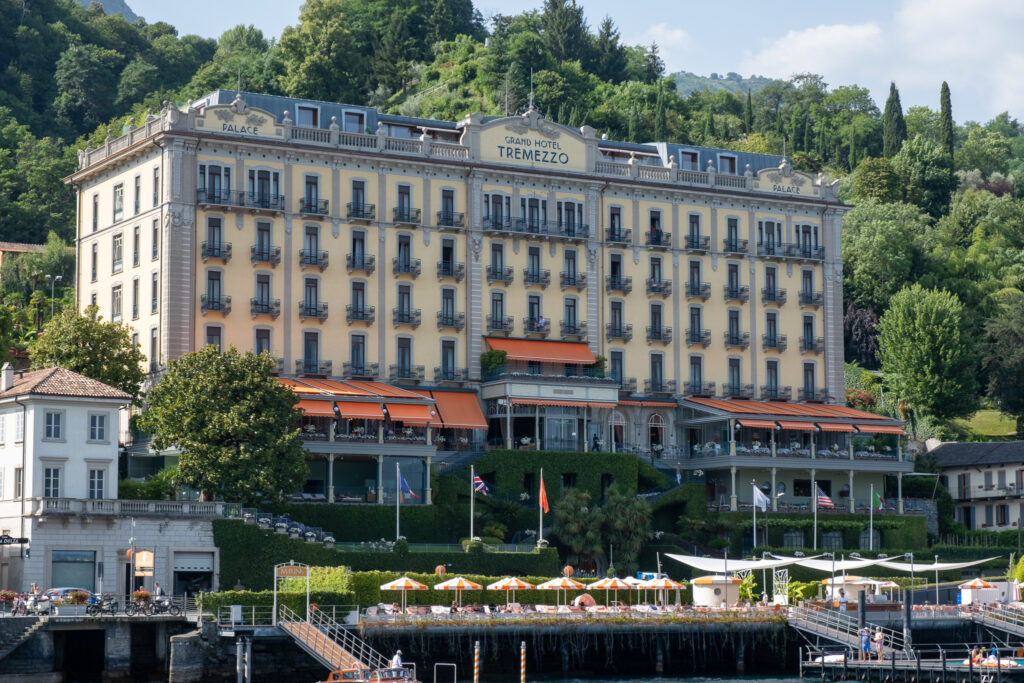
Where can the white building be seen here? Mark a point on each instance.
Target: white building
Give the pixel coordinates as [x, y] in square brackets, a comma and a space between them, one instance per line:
[58, 489]
[986, 480]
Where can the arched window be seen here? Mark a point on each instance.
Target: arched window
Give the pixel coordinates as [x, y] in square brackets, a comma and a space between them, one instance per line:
[617, 428]
[656, 430]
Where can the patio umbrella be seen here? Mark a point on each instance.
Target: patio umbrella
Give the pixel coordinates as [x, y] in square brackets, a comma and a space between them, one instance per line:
[635, 583]
[403, 584]
[663, 584]
[890, 585]
[510, 583]
[975, 584]
[562, 583]
[458, 584]
[609, 584]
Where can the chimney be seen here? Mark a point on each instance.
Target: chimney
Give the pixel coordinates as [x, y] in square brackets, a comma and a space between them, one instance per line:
[6, 377]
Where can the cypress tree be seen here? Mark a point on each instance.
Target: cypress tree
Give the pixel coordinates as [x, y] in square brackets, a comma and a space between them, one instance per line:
[853, 149]
[748, 116]
[894, 128]
[946, 122]
[659, 115]
[796, 134]
[561, 113]
[632, 125]
[808, 131]
[574, 118]
[709, 127]
[442, 25]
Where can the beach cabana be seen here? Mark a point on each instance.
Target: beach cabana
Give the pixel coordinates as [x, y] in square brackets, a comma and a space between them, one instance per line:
[403, 585]
[458, 584]
[714, 589]
[851, 587]
[978, 591]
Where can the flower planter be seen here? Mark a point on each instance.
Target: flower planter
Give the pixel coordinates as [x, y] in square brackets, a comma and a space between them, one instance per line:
[328, 544]
[293, 534]
[70, 610]
[281, 529]
[310, 539]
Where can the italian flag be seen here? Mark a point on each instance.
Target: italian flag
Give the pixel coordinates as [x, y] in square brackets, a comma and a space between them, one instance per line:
[876, 500]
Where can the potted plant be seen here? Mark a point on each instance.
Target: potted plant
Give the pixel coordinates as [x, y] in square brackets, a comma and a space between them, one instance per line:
[281, 527]
[142, 596]
[310, 537]
[294, 532]
[264, 522]
[74, 604]
[329, 541]
[7, 598]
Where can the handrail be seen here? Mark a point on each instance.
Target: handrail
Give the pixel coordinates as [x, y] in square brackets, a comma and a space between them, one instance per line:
[833, 624]
[327, 637]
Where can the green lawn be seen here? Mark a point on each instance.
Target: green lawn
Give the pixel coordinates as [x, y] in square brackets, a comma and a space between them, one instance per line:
[992, 423]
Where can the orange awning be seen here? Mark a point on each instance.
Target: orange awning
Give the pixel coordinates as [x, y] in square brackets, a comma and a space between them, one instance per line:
[314, 408]
[880, 429]
[409, 413]
[297, 387]
[805, 426]
[765, 424]
[357, 410]
[459, 410]
[833, 427]
[564, 402]
[543, 351]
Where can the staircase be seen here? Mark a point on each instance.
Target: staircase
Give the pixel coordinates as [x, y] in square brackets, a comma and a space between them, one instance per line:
[10, 646]
[329, 642]
[1000, 619]
[839, 628]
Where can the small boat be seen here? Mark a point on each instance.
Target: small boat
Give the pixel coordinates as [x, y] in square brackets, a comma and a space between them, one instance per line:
[399, 675]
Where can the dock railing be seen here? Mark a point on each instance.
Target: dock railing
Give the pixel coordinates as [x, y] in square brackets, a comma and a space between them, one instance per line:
[329, 641]
[840, 627]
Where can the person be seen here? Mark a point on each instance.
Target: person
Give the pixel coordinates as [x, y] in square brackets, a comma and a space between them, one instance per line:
[34, 590]
[455, 607]
[679, 473]
[975, 654]
[865, 644]
[764, 598]
[158, 592]
[842, 600]
[596, 447]
[879, 639]
[396, 661]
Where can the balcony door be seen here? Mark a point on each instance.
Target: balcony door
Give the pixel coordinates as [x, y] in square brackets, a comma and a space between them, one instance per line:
[357, 353]
[404, 356]
[809, 383]
[772, 378]
[657, 372]
[448, 359]
[696, 373]
[263, 239]
[311, 241]
[214, 234]
[735, 381]
[263, 290]
[311, 293]
[213, 287]
[311, 350]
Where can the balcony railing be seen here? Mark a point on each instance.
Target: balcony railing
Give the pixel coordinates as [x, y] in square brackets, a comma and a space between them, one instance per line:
[627, 385]
[452, 269]
[531, 225]
[737, 293]
[456, 321]
[618, 331]
[500, 274]
[737, 340]
[805, 251]
[451, 219]
[658, 238]
[361, 262]
[735, 246]
[312, 309]
[811, 298]
[500, 324]
[501, 223]
[698, 290]
[313, 207]
[249, 200]
[406, 316]
[574, 328]
[773, 296]
[812, 344]
[264, 200]
[405, 266]
[813, 395]
[362, 314]
[699, 388]
[770, 392]
[532, 276]
[218, 303]
[312, 367]
[698, 337]
[577, 280]
[361, 212]
[260, 254]
[540, 326]
[406, 372]
[572, 230]
[406, 215]
[777, 342]
[698, 242]
[359, 369]
[617, 283]
[659, 334]
[271, 307]
[618, 236]
[658, 287]
[730, 390]
[770, 249]
[221, 250]
[451, 374]
[177, 509]
[653, 386]
[313, 258]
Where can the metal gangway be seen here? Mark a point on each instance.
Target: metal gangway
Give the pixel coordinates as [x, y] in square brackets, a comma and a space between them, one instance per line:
[1000, 618]
[839, 628]
[330, 643]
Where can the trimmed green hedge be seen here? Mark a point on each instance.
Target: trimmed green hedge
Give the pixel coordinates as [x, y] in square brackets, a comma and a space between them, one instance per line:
[248, 554]
[420, 523]
[509, 468]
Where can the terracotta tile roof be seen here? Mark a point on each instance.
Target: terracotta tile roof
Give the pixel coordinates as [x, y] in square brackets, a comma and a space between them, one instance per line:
[60, 382]
[22, 247]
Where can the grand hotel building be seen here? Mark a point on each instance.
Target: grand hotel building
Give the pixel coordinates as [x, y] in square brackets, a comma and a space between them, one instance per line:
[380, 258]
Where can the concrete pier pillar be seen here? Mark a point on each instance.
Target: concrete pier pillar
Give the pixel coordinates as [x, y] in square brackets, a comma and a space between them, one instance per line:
[741, 658]
[565, 658]
[117, 658]
[659, 658]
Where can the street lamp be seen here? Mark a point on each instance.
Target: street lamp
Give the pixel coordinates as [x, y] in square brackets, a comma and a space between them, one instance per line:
[53, 283]
[910, 558]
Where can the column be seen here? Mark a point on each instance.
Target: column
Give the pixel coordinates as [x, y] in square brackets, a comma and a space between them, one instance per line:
[852, 505]
[427, 491]
[536, 428]
[733, 504]
[771, 435]
[899, 448]
[775, 498]
[586, 441]
[899, 492]
[732, 439]
[330, 477]
[380, 480]
[429, 437]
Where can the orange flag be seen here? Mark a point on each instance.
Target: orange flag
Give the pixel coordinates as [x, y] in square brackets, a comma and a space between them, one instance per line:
[543, 497]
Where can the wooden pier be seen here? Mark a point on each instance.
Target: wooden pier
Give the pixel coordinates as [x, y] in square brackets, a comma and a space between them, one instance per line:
[918, 666]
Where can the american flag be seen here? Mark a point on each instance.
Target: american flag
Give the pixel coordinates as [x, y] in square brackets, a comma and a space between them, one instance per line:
[823, 500]
[479, 485]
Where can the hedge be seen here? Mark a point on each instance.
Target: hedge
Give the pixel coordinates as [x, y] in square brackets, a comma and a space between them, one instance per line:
[420, 523]
[248, 555]
[209, 603]
[509, 467]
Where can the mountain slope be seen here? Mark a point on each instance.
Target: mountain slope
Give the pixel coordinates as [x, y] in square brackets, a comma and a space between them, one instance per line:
[687, 82]
[113, 7]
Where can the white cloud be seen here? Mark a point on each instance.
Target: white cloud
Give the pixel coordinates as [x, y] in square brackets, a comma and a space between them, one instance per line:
[823, 49]
[673, 44]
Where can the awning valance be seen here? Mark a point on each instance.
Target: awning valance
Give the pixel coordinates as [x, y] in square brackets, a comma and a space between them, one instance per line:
[355, 410]
[459, 410]
[879, 429]
[409, 413]
[834, 427]
[763, 424]
[544, 351]
[313, 408]
[804, 426]
[563, 402]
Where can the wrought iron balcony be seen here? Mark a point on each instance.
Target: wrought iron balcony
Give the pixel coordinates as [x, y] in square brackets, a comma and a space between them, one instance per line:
[500, 274]
[361, 262]
[265, 201]
[812, 344]
[735, 246]
[658, 238]
[312, 367]
[698, 242]
[771, 392]
[499, 223]
[405, 266]
[312, 309]
[313, 258]
[217, 303]
[359, 369]
[406, 316]
[811, 298]
[541, 326]
[451, 269]
[406, 215]
[656, 386]
[773, 296]
[361, 212]
[577, 231]
[770, 249]
[805, 251]
[737, 340]
[362, 314]
[737, 293]
[271, 307]
[278, 366]
[698, 290]
[249, 200]
[698, 337]
[500, 324]
[623, 332]
[812, 395]
[699, 388]
[313, 207]
[414, 373]
[658, 287]
[627, 385]
[659, 334]
[456, 321]
[532, 276]
[577, 280]
[532, 225]
[444, 374]
[260, 254]
[618, 236]
[574, 328]
[451, 219]
[777, 342]
[618, 283]
[730, 390]
[221, 250]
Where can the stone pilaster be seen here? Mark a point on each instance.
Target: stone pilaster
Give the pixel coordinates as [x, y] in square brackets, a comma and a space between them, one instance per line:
[178, 253]
[474, 276]
[832, 311]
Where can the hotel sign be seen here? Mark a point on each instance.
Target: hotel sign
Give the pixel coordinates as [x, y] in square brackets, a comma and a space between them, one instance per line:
[530, 140]
[784, 180]
[290, 571]
[239, 119]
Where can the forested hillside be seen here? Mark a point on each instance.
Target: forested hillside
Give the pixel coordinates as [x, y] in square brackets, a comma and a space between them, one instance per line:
[935, 202]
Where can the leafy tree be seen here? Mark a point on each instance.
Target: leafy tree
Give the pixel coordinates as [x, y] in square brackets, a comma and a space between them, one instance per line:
[894, 128]
[925, 175]
[234, 424]
[1003, 359]
[946, 127]
[137, 79]
[321, 55]
[860, 330]
[875, 179]
[86, 79]
[578, 526]
[654, 65]
[627, 523]
[86, 344]
[390, 60]
[926, 349]
[26, 273]
[984, 150]
[442, 24]
[565, 30]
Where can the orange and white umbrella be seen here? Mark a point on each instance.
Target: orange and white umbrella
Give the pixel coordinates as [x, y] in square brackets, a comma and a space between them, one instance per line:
[458, 584]
[663, 584]
[510, 583]
[562, 583]
[612, 583]
[403, 585]
[976, 584]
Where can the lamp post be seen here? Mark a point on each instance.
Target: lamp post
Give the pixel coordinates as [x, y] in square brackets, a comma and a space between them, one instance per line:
[54, 279]
[910, 557]
[832, 585]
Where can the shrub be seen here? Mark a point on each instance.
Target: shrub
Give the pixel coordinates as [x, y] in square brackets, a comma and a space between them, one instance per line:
[142, 596]
[77, 598]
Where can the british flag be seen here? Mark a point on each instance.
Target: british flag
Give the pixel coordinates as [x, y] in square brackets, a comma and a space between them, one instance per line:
[479, 485]
[824, 501]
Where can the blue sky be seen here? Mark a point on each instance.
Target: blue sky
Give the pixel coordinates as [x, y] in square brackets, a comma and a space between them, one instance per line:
[973, 45]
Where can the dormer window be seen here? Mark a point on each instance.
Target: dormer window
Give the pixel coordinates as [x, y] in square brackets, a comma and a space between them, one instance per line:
[307, 117]
[727, 164]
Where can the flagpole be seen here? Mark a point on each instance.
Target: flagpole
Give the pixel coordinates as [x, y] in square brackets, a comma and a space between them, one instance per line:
[472, 499]
[754, 507]
[815, 485]
[540, 506]
[398, 499]
[871, 520]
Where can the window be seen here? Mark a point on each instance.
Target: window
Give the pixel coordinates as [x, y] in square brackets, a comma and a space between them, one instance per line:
[732, 234]
[95, 259]
[311, 293]
[615, 268]
[154, 348]
[135, 338]
[214, 291]
[769, 234]
[357, 352]
[51, 482]
[118, 201]
[695, 283]
[568, 480]
[262, 341]
[156, 186]
[263, 242]
[137, 196]
[802, 487]
[154, 292]
[74, 568]
[117, 253]
[136, 239]
[404, 203]
[533, 311]
[656, 318]
[262, 290]
[735, 380]
[809, 330]
[448, 359]
[616, 317]
[734, 326]
[214, 181]
[618, 367]
[135, 299]
[97, 428]
[404, 254]
[264, 188]
[307, 117]
[96, 483]
[772, 376]
[988, 515]
[311, 197]
[448, 257]
[92, 302]
[447, 207]
[688, 161]
[615, 223]
[696, 372]
[533, 262]
[807, 282]
[771, 327]
[115, 304]
[1002, 515]
[809, 378]
[353, 122]
[695, 320]
[497, 257]
[656, 270]
[1001, 479]
[404, 356]
[19, 481]
[95, 212]
[534, 211]
[570, 214]
[988, 481]
[569, 264]
[448, 305]
[156, 238]
[569, 309]
[694, 230]
[654, 218]
[3, 428]
[404, 300]
[769, 281]
[497, 307]
[53, 426]
[727, 164]
[657, 372]
[358, 296]
[214, 236]
[358, 194]
[213, 337]
[358, 248]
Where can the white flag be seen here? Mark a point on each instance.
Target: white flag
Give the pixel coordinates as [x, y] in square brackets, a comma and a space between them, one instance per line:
[760, 500]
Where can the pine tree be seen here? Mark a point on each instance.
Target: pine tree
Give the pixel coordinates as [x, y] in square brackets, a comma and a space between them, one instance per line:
[442, 25]
[894, 128]
[564, 29]
[654, 65]
[748, 116]
[946, 121]
[561, 113]
[632, 125]
[853, 149]
[609, 55]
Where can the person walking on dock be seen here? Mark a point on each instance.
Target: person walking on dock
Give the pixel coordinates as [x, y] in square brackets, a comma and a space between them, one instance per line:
[879, 639]
[865, 644]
